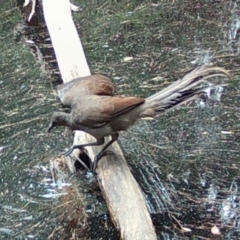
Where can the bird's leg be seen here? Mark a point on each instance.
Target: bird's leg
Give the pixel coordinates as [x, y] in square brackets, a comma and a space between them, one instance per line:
[99, 141]
[103, 151]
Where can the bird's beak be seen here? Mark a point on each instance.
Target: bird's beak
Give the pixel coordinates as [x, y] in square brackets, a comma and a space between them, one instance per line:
[51, 126]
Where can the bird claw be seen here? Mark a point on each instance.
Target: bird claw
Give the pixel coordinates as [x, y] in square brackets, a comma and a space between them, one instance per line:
[94, 164]
[97, 158]
[95, 161]
[69, 151]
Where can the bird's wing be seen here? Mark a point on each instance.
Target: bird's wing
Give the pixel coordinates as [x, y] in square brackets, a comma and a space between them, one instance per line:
[100, 111]
[74, 90]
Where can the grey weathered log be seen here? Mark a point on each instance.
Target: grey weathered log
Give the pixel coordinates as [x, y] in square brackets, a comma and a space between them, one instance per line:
[123, 196]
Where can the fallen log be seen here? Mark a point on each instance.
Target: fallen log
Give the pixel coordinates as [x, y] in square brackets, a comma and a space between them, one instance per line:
[123, 195]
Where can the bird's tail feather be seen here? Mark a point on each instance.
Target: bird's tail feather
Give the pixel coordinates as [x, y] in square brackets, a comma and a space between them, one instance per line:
[182, 91]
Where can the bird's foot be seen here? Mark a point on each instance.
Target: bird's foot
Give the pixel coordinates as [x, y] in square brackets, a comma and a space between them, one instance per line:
[69, 151]
[97, 158]
[94, 164]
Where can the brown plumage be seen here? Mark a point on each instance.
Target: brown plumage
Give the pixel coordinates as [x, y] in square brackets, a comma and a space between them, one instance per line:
[79, 87]
[96, 111]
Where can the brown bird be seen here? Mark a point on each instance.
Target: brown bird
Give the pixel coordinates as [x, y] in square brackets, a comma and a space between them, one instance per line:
[101, 114]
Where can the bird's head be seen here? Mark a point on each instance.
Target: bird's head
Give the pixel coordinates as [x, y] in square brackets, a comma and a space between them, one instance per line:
[57, 119]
